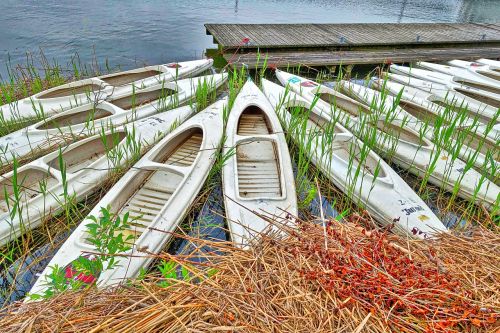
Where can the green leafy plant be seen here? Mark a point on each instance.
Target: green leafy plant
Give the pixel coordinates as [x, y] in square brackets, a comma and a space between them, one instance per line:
[105, 233]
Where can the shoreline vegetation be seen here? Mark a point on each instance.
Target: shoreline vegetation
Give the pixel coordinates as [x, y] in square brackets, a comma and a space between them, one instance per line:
[343, 274]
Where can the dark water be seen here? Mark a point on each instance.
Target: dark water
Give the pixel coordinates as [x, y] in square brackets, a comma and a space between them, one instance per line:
[131, 33]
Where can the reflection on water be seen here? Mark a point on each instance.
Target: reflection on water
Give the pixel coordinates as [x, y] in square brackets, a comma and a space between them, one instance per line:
[132, 33]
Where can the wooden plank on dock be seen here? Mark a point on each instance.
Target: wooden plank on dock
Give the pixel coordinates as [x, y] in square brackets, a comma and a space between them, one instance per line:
[269, 36]
[329, 58]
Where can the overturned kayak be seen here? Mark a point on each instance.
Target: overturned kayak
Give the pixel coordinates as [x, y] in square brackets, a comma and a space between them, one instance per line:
[437, 99]
[440, 81]
[462, 134]
[463, 76]
[483, 70]
[94, 90]
[352, 166]
[258, 176]
[35, 191]
[155, 195]
[418, 154]
[86, 120]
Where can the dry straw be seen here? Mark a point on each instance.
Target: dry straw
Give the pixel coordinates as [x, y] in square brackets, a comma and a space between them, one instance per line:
[367, 280]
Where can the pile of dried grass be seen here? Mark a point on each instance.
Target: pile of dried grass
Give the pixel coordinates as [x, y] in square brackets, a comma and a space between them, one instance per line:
[339, 279]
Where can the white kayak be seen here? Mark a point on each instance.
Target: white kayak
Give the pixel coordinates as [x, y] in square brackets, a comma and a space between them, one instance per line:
[450, 83]
[329, 99]
[464, 137]
[417, 153]
[421, 111]
[484, 115]
[463, 76]
[483, 70]
[494, 65]
[39, 185]
[258, 176]
[94, 90]
[86, 120]
[454, 96]
[351, 165]
[157, 193]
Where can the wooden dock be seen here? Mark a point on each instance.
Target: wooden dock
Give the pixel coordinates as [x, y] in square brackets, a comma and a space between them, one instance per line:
[333, 44]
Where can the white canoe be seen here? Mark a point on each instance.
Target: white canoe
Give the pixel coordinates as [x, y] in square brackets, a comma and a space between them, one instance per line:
[89, 119]
[258, 177]
[87, 163]
[483, 70]
[339, 155]
[449, 83]
[417, 153]
[466, 140]
[463, 76]
[157, 193]
[100, 88]
[433, 96]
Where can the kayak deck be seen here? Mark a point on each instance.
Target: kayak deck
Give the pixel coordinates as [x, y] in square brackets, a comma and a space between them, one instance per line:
[139, 99]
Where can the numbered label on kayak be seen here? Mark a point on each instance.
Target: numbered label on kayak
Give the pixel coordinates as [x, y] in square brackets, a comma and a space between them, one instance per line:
[411, 210]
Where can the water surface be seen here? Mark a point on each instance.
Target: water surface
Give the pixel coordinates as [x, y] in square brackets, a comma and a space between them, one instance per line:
[132, 33]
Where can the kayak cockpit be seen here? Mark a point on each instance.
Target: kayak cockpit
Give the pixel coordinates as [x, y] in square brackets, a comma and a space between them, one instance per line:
[70, 91]
[30, 183]
[354, 109]
[402, 133]
[314, 122]
[253, 122]
[71, 119]
[422, 114]
[459, 108]
[480, 86]
[477, 142]
[160, 95]
[257, 160]
[479, 97]
[357, 158]
[150, 190]
[127, 78]
[84, 155]
[490, 74]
